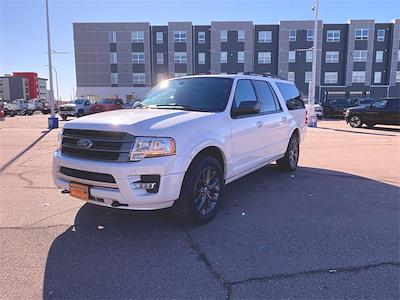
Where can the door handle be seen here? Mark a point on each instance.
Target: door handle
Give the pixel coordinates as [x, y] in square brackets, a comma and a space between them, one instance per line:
[259, 124]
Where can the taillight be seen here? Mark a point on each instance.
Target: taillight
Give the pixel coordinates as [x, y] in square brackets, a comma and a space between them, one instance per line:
[306, 117]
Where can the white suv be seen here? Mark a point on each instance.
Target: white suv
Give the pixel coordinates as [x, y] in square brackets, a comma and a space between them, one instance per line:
[182, 143]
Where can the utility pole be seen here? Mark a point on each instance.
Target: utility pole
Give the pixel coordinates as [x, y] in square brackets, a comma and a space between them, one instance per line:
[311, 94]
[53, 120]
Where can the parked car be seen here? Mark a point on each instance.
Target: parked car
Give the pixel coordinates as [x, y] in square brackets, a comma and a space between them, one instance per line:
[78, 108]
[10, 108]
[385, 112]
[361, 102]
[317, 108]
[185, 140]
[335, 107]
[106, 105]
[2, 114]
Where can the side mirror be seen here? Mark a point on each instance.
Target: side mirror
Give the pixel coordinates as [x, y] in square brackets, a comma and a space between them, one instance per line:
[246, 108]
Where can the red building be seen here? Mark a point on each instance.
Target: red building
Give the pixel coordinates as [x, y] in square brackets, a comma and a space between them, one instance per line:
[32, 82]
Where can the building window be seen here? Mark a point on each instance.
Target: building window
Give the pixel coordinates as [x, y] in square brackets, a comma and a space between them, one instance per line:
[360, 55]
[112, 36]
[331, 77]
[292, 35]
[264, 57]
[333, 36]
[362, 34]
[159, 37]
[310, 35]
[379, 56]
[113, 57]
[241, 35]
[180, 74]
[160, 77]
[179, 36]
[398, 55]
[202, 58]
[240, 57]
[180, 57]
[160, 58]
[224, 57]
[309, 56]
[265, 36]
[290, 76]
[397, 76]
[137, 36]
[380, 37]
[332, 57]
[378, 77]
[307, 77]
[358, 77]
[114, 78]
[292, 56]
[201, 37]
[224, 36]
[139, 78]
[138, 57]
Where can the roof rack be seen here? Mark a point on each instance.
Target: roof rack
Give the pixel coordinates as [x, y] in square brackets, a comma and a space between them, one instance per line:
[263, 75]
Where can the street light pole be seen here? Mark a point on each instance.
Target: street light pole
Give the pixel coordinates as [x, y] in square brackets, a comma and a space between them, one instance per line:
[311, 97]
[53, 121]
[55, 70]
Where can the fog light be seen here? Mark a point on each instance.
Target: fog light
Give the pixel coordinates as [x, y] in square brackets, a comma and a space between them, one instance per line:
[144, 185]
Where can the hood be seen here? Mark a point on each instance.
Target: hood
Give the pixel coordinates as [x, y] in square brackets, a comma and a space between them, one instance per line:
[137, 121]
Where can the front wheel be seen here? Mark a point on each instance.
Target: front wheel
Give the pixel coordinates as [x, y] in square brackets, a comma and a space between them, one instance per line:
[355, 121]
[201, 192]
[64, 117]
[290, 160]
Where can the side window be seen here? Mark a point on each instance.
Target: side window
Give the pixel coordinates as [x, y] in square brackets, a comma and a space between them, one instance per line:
[291, 95]
[244, 92]
[269, 102]
[87, 102]
[379, 104]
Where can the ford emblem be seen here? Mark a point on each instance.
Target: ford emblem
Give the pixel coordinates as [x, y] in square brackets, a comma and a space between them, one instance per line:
[84, 143]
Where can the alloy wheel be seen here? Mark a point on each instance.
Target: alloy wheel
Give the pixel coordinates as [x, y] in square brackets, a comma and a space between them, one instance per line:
[293, 153]
[207, 190]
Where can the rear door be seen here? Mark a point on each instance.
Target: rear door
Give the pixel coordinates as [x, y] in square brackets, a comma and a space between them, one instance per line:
[393, 111]
[275, 129]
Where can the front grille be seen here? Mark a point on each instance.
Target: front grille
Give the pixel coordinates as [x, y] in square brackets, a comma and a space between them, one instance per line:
[66, 108]
[106, 145]
[87, 175]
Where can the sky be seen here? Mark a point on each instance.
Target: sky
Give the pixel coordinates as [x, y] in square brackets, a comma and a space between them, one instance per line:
[23, 43]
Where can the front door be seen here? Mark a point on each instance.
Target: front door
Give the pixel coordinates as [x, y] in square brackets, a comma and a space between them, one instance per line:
[375, 114]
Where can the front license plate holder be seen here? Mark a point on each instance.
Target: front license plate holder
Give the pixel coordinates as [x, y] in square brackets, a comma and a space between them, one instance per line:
[80, 191]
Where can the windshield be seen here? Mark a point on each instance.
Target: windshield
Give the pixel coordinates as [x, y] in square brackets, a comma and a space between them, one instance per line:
[79, 101]
[198, 94]
[367, 101]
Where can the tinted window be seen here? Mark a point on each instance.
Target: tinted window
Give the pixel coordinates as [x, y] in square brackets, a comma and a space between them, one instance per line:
[393, 104]
[198, 93]
[366, 101]
[379, 104]
[79, 101]
[268, 99]
[244, 92]
[291, 95]
[338, 102]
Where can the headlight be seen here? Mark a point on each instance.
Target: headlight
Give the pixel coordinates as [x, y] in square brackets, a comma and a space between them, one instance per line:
[145, 147]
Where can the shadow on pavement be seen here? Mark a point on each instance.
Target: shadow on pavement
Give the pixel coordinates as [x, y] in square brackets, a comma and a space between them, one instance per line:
[367, 132]
[270, 223]
[377, 128]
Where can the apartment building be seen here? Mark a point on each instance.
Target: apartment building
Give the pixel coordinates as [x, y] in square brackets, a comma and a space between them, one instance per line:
[359, 58]
[12, 88]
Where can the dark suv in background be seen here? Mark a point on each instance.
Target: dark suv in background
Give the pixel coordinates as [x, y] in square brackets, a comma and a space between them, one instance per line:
[385, 112]
[335, 107]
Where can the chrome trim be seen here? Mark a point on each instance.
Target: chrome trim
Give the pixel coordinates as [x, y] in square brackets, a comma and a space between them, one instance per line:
[88, 182]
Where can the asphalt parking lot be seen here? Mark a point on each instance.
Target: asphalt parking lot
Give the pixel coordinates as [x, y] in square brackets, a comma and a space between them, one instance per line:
[328, 230]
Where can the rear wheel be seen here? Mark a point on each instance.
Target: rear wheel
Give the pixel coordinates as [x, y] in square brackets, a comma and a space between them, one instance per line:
[201, 192]
[291, 158]
[355, 121]
[80, 113]
[64, 117]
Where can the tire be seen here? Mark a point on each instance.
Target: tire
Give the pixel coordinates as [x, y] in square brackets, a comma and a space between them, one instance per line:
[64, 117]
[355, 121]
[203, 181]
[289, 162]
[80, 113]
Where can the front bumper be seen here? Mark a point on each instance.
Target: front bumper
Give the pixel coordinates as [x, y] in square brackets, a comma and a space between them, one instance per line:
[68, 113]
[170, 169]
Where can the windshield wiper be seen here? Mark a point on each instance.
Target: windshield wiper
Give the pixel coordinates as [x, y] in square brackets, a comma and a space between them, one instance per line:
[178, 106]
